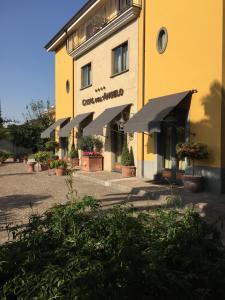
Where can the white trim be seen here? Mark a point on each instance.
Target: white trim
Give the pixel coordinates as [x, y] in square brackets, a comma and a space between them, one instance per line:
[123, 19]
[56, 42]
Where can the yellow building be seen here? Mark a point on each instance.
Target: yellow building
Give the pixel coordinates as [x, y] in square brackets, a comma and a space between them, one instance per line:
[157, 64]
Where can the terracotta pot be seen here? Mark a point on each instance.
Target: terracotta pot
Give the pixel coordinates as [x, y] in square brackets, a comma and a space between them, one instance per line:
[30, 167]
[118, 167]
[92, 163]
[192, 184]
[128, 171]
[74, 162]
[60, 172]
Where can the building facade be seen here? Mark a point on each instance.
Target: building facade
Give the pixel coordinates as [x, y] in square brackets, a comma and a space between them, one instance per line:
[157, 65]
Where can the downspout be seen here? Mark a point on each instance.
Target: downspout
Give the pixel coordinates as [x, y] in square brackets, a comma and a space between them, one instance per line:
[143, 85]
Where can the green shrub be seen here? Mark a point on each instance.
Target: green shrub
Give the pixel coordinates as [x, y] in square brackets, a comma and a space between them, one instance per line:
[3, 156]
[126, 159]
[77, 251]
[132, 157]
[43, 156]
[89, 143]
[173, 201]
[73, 152]
[58, 164]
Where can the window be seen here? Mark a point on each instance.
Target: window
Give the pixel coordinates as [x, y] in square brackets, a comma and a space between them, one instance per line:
[123, 4]
[162, 40]
[86, 76]
[67, 86]
[120, 59]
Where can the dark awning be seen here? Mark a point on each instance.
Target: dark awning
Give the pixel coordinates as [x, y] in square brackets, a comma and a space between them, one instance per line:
[65, 131]
[149, 118]
[47, 133]
[97, 125]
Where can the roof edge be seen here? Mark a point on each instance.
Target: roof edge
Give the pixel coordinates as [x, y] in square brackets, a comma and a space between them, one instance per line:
[63, 30]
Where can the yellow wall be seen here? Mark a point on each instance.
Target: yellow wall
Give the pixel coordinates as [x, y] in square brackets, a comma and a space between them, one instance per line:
[63, 72]
[192, 60]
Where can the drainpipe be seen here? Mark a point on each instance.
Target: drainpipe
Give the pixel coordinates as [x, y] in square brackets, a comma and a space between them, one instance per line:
[143, 84]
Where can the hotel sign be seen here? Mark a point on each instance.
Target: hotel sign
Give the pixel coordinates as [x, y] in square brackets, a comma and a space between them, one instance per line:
[104, 97]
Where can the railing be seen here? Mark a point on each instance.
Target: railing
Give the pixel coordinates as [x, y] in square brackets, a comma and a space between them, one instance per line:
[103, 15]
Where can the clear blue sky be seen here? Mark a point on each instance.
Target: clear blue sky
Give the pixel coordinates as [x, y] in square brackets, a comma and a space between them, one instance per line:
[26, 69]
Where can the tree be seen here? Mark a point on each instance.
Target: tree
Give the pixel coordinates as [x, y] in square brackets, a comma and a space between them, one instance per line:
[39, 111]
[28, 135]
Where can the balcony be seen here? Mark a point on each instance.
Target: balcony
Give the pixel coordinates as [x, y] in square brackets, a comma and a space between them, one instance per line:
[104, 21]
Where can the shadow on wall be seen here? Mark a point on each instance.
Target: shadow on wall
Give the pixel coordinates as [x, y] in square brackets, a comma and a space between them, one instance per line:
[205, 127]
[210, 131]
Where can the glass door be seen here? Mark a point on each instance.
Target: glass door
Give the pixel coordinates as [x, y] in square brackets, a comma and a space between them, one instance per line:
[117, 142]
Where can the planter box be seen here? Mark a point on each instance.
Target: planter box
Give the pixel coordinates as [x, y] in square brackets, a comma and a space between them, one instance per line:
[92, 163]
[193, 184]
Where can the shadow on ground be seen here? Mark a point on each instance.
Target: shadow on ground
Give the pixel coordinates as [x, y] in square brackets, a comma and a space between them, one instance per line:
[12, 202]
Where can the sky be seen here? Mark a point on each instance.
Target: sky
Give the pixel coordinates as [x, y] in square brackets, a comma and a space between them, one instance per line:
[26, 68]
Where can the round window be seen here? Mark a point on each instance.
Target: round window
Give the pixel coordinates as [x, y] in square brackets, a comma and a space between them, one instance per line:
[67, 86]
[162, 40]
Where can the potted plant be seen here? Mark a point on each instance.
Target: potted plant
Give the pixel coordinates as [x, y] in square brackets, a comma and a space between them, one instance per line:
[31, 163]
[127, 162]
[43, 157]
[60, 167]
[74, 156]
[92, 159]
[51, 170]
[193, 152]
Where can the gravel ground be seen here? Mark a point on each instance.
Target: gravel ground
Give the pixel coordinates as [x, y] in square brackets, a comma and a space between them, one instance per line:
[22, 193]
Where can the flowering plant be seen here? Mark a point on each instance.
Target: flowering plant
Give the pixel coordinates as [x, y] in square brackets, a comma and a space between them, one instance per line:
[192, 151]
[91, 153]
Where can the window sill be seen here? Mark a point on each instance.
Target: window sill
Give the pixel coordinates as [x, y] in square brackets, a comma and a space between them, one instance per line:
[120, 73]
[85, 87]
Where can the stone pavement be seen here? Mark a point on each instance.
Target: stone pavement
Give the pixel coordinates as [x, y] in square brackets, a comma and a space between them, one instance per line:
[22, 193]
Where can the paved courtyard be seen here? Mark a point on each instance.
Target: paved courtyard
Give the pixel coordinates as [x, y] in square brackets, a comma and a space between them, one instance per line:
[22, 193]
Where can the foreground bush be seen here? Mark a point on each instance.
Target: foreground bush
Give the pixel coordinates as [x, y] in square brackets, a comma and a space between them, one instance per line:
[77, 251]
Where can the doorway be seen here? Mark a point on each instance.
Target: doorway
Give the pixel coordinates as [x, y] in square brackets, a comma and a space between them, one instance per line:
[63, 145]
[117, 142]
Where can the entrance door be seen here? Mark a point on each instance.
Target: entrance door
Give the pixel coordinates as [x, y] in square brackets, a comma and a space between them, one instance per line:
[64, 146]
[117, 142]
[171, 137]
